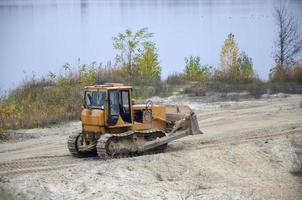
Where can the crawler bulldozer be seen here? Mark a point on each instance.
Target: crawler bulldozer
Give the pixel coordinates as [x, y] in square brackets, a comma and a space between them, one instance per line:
[114, 125]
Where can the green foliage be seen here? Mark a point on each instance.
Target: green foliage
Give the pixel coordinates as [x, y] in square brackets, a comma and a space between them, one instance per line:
[235, 67]
[43, 101]
[39, 102]
[88, 74]
[137, 57]
[245, 66]
[194, 71]
[128, 45]
[148, 67]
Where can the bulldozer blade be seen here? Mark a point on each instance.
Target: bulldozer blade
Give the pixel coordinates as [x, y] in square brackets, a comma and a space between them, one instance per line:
[164, 140]
[194, 124]
[174, 135]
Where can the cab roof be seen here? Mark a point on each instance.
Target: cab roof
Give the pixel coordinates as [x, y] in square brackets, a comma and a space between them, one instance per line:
[108, 86]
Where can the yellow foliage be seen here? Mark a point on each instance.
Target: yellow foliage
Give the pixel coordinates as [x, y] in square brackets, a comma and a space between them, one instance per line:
[229, 56]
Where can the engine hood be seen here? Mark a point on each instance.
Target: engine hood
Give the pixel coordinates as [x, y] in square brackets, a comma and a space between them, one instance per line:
[93, 117]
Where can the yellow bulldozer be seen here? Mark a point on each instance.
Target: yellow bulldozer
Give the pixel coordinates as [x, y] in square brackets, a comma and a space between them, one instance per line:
[113, 125]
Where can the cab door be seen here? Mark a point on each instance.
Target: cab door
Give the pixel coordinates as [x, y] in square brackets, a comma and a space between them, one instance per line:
[125, 108]
[119, 107]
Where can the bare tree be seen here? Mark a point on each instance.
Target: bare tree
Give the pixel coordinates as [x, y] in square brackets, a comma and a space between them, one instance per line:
[289, 40]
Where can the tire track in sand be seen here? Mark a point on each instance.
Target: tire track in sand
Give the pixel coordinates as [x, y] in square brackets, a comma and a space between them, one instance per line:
[37, 164]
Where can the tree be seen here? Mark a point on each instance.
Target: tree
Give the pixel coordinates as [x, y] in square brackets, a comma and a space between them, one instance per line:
[245, 66]
[289, 40]
[194, 71]
[234, 66]
[147, 63]
[229, 57]
[128, 44]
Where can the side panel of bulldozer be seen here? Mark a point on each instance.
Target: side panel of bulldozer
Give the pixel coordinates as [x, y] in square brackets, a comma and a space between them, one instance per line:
[161, 117]
[175, 112]
[151, 118]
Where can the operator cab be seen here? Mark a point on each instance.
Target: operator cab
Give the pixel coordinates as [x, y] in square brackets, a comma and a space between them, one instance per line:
[114, 99]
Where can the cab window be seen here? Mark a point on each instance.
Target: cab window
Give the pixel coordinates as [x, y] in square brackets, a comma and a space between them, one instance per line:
[95, 99]
[114, 102]
[119, 105]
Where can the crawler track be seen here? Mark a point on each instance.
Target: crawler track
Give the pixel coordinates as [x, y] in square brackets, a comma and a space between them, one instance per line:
[105, 140]
[72, 147]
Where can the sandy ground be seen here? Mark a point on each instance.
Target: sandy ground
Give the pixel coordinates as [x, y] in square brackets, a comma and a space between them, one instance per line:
[250, 149]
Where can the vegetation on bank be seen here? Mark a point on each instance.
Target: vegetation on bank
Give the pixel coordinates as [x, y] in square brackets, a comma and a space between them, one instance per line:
[42, 101]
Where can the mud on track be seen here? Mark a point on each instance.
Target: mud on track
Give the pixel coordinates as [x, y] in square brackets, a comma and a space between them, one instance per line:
[251, 149]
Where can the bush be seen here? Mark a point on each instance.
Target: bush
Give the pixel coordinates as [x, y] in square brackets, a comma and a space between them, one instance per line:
[194, 71]
[283, 73]
[246, 67]
[176, 79]
[108, 74]
[38, 102]
[234, 67]
[148, 67]
[297, 73]
[128, 45]
[198, 89]
[278, 73]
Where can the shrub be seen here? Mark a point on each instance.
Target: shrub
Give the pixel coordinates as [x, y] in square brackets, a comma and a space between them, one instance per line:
[108, 73]
[194, 71]
[234, 67]
[198, 89]
[283, 73]
[148, 67]
[278, 73]
[38, 102]
[176, 79]
[128, 45]
[297, 73]
[246, 67]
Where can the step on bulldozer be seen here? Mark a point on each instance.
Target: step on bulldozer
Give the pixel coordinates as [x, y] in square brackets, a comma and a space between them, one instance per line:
[113, 125]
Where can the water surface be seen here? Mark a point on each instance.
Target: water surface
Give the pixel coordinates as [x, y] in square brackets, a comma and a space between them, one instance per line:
[40, 36]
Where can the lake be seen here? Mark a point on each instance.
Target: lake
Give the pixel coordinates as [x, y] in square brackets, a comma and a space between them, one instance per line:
[37, 37]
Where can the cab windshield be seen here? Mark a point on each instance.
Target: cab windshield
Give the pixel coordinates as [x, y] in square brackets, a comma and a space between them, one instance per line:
[95, 99]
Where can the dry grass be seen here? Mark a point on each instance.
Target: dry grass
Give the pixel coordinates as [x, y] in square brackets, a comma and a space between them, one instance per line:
[39, 102]
[287, 74]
